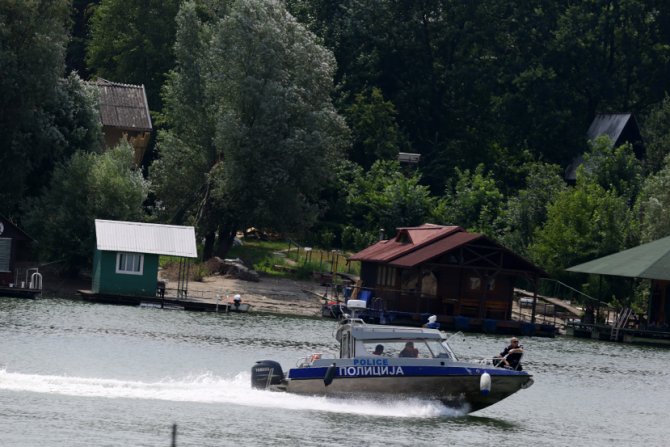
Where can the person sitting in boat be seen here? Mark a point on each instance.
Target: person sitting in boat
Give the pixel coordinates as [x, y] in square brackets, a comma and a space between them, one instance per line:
[511, 356]
[409, 350]
[237, 300]
[379, 350]
[432, 323]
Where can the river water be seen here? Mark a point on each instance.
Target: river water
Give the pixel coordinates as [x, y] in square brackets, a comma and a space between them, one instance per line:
[81, 374]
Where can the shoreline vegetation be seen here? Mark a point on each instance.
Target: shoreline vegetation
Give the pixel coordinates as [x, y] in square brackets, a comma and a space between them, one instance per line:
[269, 295]
[286, 280]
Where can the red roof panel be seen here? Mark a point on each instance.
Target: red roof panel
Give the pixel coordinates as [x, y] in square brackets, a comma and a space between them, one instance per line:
[406, 240]
[435, 249]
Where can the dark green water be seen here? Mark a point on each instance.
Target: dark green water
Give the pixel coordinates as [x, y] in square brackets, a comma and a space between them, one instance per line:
[80, 374]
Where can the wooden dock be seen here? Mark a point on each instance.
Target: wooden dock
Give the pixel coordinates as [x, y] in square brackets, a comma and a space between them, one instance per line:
[626, 335]
[169, 301]
[20, 292]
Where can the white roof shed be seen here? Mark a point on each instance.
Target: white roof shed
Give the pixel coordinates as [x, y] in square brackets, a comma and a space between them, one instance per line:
[137, 237]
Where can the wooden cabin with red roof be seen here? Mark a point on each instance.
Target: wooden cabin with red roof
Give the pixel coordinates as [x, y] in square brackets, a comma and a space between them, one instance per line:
[466, 279]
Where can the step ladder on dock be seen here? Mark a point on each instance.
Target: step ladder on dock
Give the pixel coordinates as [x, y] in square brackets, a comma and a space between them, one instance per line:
[621, 322]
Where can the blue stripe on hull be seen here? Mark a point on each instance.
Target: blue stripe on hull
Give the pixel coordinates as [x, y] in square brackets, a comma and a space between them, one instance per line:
[398, 371]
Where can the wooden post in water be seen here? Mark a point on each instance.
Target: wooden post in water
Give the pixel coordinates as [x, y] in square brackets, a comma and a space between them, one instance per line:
[174, 435]
[535, 285]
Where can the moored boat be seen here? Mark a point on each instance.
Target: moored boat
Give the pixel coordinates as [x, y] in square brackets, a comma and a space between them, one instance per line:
[393, 362]
[238, 307]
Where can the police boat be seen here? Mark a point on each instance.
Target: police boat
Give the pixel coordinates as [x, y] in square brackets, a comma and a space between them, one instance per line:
[393, 362]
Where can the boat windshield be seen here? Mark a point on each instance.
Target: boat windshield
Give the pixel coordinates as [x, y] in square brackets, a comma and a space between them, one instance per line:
[419, 348]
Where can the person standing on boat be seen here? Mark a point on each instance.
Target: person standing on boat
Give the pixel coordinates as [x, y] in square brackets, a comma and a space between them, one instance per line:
[237, 300]
[379, 350]
[511, 355]
[432, 323]
[409, 350]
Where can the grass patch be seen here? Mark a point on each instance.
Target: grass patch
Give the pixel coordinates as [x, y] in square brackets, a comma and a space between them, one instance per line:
[273, 258]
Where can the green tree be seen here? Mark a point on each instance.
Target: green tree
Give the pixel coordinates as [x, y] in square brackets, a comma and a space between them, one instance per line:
[474, 201]
[656, 133]
[76, 48]
[614, 168]
[375, 133]
[266, 135]
[526, 211]
[583, 223]
[187, 150]
[383, 199]
[131, 42]
[43, 118]
[653, 205]
[625, 48]
[87, 187]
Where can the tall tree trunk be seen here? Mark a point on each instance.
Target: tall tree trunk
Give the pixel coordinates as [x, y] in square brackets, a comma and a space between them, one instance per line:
[208, 249]
[225, 240]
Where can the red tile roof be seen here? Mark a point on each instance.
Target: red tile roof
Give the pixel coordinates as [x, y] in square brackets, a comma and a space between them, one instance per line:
[437, 248]
[407, 240]
[413, 246]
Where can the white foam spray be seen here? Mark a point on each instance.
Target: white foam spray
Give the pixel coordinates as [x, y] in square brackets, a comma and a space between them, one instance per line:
[209, 388]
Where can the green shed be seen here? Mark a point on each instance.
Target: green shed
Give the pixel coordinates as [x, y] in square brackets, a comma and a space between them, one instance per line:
[126, 256]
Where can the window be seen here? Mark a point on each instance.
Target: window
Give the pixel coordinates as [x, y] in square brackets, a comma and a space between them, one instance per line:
[409, 281]
[385, 276]
[129, 263]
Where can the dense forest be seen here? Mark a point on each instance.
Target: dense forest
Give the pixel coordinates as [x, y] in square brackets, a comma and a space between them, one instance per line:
[289, 116]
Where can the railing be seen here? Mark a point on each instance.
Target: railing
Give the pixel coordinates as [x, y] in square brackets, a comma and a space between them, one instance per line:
[621, 322]
[559, 284]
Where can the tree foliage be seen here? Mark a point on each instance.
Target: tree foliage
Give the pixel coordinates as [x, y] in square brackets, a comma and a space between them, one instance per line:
[526, 212]
[375, 133]
[266, 133]
[383, 198]
[656, 134]
[474, 201]
[43, 117]
[614, 168]
[87, 187]
[653, 205]
[583, 223]
[131, 42]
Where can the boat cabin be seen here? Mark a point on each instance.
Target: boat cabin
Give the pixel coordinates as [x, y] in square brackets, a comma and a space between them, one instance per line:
[362, 340]
[358, 339]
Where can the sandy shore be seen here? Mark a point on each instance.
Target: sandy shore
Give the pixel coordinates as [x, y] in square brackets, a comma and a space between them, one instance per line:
[272, 295]
[281, 296]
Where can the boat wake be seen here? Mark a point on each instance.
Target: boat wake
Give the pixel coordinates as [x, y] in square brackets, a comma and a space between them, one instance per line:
[209, 388]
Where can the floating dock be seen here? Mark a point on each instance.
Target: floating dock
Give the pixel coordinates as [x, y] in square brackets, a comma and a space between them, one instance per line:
[20, 292]
[166, 302]
[608, 332]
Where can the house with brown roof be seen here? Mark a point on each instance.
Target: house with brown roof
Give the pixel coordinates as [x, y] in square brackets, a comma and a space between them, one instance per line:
[124, 112]
[466, 279]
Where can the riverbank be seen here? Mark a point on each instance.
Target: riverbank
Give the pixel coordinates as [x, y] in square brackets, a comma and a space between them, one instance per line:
[269, 295]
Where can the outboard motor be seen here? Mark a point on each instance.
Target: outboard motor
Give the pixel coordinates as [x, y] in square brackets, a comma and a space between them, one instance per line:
[265, 373]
